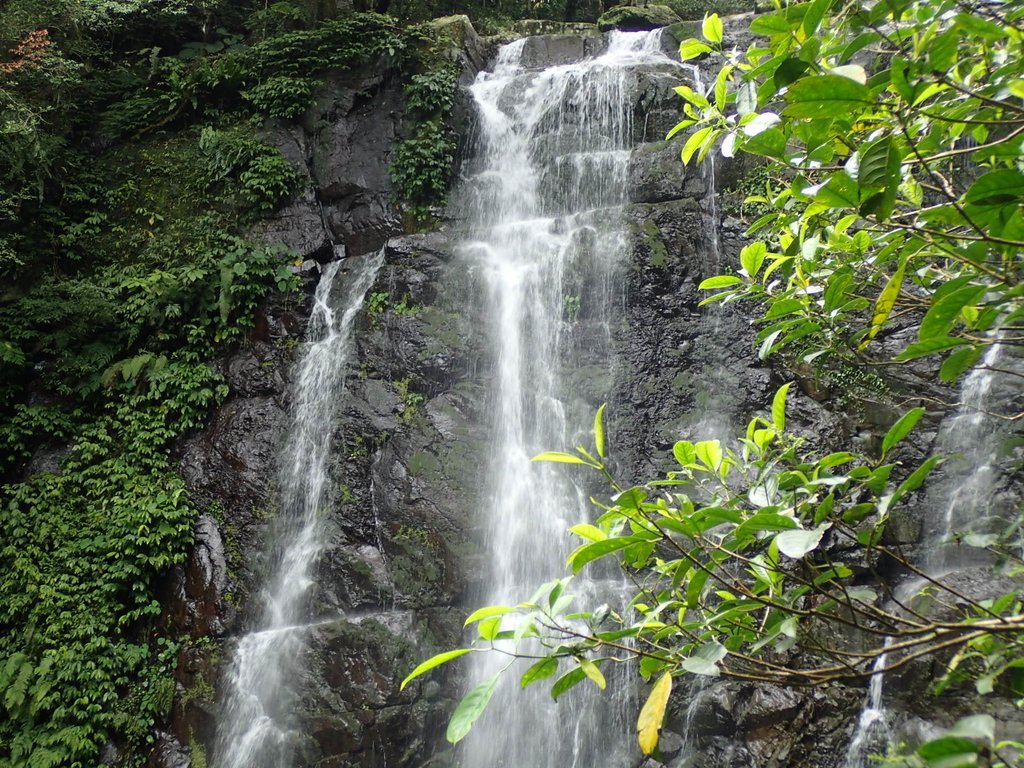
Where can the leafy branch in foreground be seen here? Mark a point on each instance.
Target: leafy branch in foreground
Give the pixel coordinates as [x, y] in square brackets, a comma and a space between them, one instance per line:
[740, 567]
[893, 134]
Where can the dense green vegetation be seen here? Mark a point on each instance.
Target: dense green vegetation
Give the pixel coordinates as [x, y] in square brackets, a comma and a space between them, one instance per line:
[894, 201]
[132, 165]
[131, 168]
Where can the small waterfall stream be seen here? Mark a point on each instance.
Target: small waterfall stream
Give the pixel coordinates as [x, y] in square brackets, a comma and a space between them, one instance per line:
[964, 498]
[256, 726]
[546, 236]
[961, 502]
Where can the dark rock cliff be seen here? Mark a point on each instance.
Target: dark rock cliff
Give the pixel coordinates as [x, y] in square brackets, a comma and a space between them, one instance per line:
[401, 567]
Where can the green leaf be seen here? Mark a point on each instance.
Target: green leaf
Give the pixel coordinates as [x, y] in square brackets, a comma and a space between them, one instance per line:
[949, 752]
[487, 612]
[598, 549]
[958, 363]
[929, 347]
[766, 345]
[685, 453]
[854, 72]
[700, 666]
[943, 312]
[593, 673]
[712, 28]
[694, 142]
[769, 143]
[648, 724]
[722, 87]
[599, 430]
[719, 281]
[434, 661]
[752, 258]
[542, 670]
[562, 458]
[789, 71]
[783, 307]
[815, 13]
[996, 188]
[765, 521]
[825, 96]
[589, 532]
[916, 479]
[885, 302]
[981, 727]
[567, 681]
[691, 49]
[901, 429]
[695, 586]
[770, 24]
[779, 408]
[488, 629]
[839, 191]
[709, 452]
[705, 660]
[879, 164]
[798, 543]
[470, 708]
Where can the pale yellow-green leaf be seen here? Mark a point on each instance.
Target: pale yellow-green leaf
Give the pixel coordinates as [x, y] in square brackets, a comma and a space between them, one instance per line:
[853, 72]
[648, 725]
[434, 661]
[599, 430]
[561, 458]
[589, 532]
[712, 28]
[591, 670]
[488, 611]
[779, 408]
[694, 143]
[691, 49]
[885, 302]
[709, 452]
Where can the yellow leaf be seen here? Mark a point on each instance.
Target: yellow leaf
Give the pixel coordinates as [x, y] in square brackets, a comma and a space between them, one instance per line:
[648, 725]
[591, 670]
[884, 303]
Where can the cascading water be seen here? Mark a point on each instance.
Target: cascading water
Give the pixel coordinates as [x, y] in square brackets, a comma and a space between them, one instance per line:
[962, 502]
[546, 235]
[873, 725]
[975, 440]
[256, 728]
[712, 418]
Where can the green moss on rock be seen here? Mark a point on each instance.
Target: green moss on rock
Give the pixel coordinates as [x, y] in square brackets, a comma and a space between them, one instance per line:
[636, 18]
[652, 238]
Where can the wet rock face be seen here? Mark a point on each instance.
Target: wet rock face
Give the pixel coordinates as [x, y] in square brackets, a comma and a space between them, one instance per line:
[735, 724]
[402, 556]
[342, 149]
[636, 18]
[352, 129]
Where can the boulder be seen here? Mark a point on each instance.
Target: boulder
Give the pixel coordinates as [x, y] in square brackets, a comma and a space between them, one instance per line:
[631, 18]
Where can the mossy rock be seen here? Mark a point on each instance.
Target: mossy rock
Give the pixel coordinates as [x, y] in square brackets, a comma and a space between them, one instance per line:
[630, 18]
[696, 9]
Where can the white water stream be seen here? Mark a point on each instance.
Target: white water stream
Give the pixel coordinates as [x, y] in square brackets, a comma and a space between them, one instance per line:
[960, 502]
[546, 238]
[256, 727]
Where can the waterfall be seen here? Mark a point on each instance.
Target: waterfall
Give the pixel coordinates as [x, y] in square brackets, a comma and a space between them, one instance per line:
[964, 498]
[256, 728]
[961, 502]
[545, 192]
[873, 725]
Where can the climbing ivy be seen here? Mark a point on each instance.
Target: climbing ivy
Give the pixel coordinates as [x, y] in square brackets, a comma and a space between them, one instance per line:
[422, 163]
